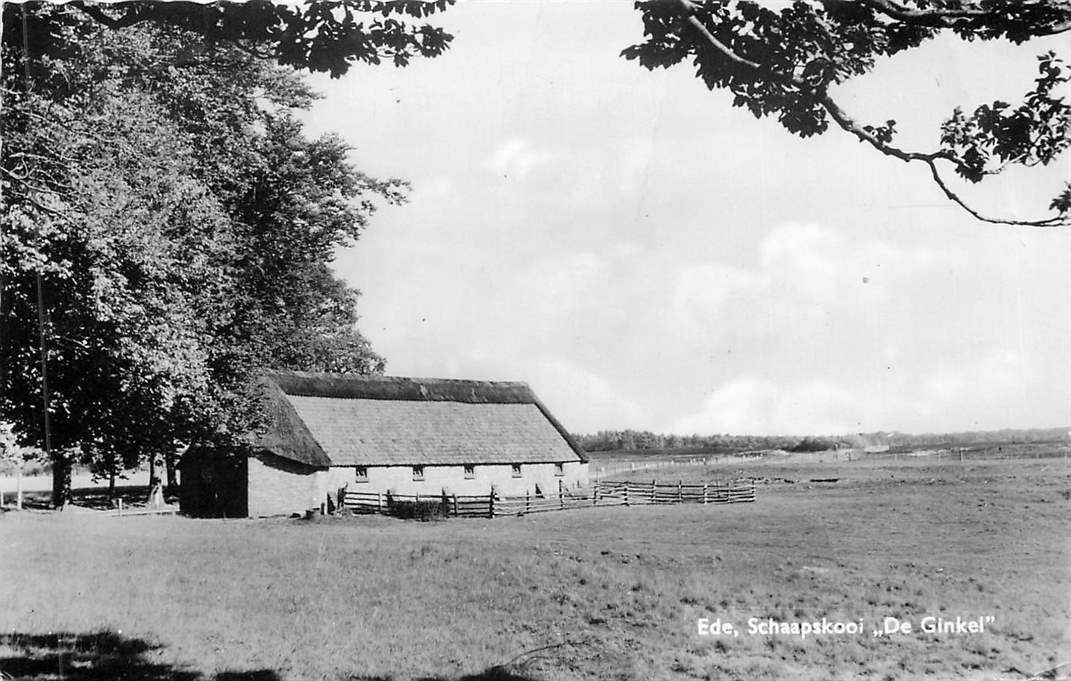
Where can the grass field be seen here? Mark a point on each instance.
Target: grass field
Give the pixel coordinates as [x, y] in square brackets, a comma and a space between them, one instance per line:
[601, 593]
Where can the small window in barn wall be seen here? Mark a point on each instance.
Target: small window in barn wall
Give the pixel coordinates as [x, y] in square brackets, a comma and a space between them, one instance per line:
[361, 474]
[418, 473]
[559, 469]
[470, 472]
[516, 470]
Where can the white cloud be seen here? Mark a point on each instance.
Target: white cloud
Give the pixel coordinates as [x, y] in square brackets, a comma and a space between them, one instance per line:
[517, 158]
[1005, 369]
[751, 405]
[553, 288]
[942, 388]
[957, 396]
[583, 400]
[699, 294]
[833, 334]
[805, 249]
[809, 283]
[434, 189]
[634, 164]
[562, 277]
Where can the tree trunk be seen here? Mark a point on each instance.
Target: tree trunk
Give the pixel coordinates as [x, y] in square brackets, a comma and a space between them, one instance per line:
[152, 475]
[61, 480]
[111, 487]
[171, 488]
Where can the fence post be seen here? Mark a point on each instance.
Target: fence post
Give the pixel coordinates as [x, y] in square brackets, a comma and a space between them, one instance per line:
[379, 502]
[704, 493]
[491, 503]
[561, 496]
[595, 494]
[680, 493]
[527, 502]
[654, 496]
[120, 506]
[626, 494]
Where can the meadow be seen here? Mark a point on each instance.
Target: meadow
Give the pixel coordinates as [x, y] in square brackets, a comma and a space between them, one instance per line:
[608, 593]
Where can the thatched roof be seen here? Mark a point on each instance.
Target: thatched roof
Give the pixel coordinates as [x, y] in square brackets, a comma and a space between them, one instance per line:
[333, 419]
[287, 435]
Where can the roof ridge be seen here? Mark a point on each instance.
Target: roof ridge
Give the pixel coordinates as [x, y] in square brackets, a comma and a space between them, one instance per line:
[272, 373]
[405, 388]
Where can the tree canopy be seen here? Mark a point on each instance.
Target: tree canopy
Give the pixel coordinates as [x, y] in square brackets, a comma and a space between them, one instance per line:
[167, 228]
[785, 63]
[319, 36]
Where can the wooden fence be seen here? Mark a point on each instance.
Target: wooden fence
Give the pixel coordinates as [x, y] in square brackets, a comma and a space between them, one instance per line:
[654, 492]
[451, 505]
[601, 493]
[602, 468]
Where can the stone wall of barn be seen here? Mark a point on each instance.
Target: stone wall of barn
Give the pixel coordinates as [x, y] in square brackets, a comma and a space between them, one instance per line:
[399, 479]
[278, 486]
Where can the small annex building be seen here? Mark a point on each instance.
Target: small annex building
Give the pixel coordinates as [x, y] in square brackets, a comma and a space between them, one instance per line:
[383, 433]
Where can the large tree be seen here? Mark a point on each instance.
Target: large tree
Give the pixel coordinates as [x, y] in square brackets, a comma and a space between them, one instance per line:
[167, 230]
[316, 35]
[784, 63]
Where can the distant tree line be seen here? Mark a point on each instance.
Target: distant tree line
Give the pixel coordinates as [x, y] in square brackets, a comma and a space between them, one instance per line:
[636, 440]
[1006, 436]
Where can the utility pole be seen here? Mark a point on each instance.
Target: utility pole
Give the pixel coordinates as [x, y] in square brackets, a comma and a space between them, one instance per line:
[59, 496]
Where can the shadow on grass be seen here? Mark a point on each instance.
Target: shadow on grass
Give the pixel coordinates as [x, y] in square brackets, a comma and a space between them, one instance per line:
[106, 656]
[101, 656]
[490, 674]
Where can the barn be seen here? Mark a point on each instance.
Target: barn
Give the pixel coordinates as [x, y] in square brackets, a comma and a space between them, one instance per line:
[383, 433]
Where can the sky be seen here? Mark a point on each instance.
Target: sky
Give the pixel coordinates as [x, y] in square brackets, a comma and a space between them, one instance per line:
[645, 256]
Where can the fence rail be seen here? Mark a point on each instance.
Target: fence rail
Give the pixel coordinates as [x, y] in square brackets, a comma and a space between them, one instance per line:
[601, 493]
[736, 491]
[453, 505]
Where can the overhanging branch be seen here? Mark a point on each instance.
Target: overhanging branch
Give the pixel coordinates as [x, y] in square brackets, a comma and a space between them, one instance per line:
[949, 16]
[1057, 221]
[936, 17]
[848, 124]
